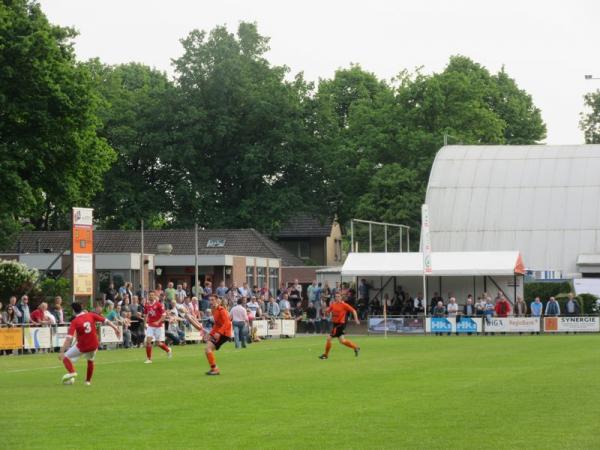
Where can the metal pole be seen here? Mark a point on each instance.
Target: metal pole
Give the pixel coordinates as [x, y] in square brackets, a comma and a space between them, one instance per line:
[196, 259]
[408, 240]
[352, 235]
[384, 307]
[142, 261]
[385, 237]
[370, 239]
[400, 241]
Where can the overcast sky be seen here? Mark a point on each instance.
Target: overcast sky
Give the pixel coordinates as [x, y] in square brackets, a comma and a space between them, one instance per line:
[547, 47]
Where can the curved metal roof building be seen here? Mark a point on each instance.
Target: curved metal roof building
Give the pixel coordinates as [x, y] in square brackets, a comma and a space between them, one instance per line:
[541, 200]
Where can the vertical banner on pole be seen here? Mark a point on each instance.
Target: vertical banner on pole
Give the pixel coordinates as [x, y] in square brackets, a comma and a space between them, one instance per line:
[82, 249]
[426, 249]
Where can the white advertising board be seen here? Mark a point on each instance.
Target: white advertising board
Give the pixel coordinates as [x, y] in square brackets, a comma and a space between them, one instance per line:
[108, 335]
[37, 338]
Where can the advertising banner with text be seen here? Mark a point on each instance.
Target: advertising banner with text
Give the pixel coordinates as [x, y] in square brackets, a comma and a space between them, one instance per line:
[574, 324]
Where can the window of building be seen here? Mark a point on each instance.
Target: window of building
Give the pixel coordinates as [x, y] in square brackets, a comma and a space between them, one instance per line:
[261, 276]
[303, 249]
[273, 280]
[250, 275]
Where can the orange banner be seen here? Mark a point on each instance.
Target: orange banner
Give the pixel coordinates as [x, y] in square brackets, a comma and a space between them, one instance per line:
[83, 241]
[11, 338]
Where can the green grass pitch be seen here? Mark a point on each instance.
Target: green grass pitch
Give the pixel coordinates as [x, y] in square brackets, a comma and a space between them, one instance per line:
[401, 392]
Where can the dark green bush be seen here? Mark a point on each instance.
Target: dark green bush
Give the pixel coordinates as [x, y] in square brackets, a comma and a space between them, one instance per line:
[545, 290]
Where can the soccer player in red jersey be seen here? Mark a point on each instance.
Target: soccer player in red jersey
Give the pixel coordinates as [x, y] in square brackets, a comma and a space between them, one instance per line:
[339, 309]
[154, 314]
[84, 327]
[219, 334]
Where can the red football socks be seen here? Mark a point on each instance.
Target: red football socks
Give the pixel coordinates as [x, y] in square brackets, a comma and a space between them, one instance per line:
[90, 371]
[164, 347]
[149, 351]
[68, 365]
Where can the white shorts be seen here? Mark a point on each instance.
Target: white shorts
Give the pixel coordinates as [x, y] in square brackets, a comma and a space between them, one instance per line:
[74, 353]
[155, 333]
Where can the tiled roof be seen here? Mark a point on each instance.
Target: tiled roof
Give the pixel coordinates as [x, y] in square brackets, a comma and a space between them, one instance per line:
[240, 242]
[306, 226]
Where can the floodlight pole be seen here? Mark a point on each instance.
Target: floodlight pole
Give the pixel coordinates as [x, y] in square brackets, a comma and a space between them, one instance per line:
[142, 260]
[352, 235]
[196, 260]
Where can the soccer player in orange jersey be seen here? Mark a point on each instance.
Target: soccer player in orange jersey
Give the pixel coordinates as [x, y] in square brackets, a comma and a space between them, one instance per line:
[339, 309]
[219, 334]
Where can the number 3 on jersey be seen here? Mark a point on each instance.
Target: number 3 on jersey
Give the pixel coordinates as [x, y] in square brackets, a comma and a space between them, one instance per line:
[87, 327]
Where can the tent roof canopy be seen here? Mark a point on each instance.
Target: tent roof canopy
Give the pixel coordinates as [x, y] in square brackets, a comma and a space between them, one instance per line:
[443, 264]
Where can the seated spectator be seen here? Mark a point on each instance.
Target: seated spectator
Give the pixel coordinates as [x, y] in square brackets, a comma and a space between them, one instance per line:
[253, 307]
[174, 332]
[312, 324]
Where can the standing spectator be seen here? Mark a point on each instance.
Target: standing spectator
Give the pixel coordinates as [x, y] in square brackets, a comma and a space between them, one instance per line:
[9, 316]
[502, 307]
[253, 308]
[418, 307]
[469, 308]
[137, 326]
[170, 292]
[194, 307]
[244, 290]
[536, 307]
[572, 307]
[24, 309]
[110, 293]
[435, 300]
[57, 310]
[180, 294]
[295, 292]
[207, 292]
[312, 291]
[38, 317]
[221, 290]
[174, 332]
[480, 306]
[326, 293]
[13, 302]
[272, 309]
[284, 303]
[552, 307]
[520, 308]
[452, 307]
[239, 317]
[439, 310]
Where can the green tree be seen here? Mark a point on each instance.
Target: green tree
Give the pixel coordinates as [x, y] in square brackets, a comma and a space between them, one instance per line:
[138, 119]
[16, 278]
[50, 155]
[246, 157]
[590, 121]
[401, 125]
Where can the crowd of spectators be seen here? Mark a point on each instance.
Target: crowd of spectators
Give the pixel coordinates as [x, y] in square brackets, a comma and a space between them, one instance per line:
[306, 305]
